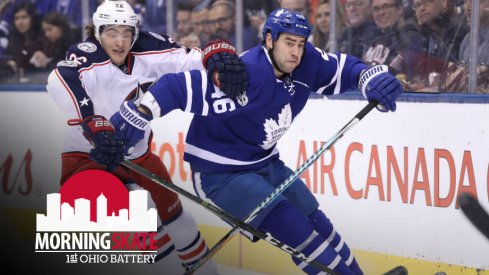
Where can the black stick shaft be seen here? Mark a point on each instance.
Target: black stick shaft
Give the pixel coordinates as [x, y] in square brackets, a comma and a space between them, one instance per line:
[225, 216]
[475, 213]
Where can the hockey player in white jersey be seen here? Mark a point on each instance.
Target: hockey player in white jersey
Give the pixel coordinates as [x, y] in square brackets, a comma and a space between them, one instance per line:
[115, 63]
[231, 142]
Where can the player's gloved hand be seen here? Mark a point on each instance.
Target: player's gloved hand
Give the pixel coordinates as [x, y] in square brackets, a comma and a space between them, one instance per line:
[227, 70]
[130, 124]
[108, 147]
[377, 84]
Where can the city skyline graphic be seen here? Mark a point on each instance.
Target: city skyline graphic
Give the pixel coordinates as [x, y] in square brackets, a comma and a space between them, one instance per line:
[63, 217]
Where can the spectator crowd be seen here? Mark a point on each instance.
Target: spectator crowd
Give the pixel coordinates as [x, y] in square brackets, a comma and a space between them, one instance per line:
[425, 43]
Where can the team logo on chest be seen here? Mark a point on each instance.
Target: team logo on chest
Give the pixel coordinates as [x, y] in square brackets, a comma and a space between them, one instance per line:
[275, 129]
[289, 84]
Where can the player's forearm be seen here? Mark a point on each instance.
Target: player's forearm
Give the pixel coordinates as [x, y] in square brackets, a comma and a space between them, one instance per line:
[186, 91]
[354, 68]
[164, 96]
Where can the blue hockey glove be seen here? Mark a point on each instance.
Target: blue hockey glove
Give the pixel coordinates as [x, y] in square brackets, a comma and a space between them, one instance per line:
[377, 84]
[130, 124]
[108, 147]
[227, 70]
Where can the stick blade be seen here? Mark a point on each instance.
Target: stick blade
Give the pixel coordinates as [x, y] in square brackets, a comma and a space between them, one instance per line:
[398, 270]
[474, 212]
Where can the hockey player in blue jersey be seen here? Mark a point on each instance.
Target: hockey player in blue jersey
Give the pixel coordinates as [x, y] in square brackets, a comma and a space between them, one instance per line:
[231, 142]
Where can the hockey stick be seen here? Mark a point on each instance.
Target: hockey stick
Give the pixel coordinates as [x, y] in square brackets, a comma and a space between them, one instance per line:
[284, 185]
[228, 218]
[474, 212]
[398, 270]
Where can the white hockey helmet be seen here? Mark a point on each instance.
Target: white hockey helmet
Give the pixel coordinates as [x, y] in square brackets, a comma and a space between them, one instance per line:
[115, 12]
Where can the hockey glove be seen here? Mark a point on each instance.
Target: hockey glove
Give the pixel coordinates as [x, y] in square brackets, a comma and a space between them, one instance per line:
[227, 70]
[377, 84]
[108, 148]
[130, 124]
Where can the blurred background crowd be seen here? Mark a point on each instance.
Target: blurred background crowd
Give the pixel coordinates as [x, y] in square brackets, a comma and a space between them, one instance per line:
[430, 45]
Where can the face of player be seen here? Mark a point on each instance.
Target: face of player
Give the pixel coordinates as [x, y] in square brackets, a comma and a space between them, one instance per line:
[116, 41]
[287, 51]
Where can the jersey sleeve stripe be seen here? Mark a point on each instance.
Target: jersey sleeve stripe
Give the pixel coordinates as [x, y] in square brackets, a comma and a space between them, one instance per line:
[339, 72]
[70, 93]
[188, 85]
[205, 105]
[94, 65]
[321, 90]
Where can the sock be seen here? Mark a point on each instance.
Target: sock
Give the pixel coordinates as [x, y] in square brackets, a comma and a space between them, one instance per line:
[323, 226]
[289, 225]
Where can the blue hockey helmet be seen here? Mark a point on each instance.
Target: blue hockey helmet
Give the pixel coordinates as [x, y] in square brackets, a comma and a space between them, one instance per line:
[283, 20]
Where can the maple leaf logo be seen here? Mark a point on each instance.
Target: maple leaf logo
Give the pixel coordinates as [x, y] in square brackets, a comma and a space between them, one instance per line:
[275, 129]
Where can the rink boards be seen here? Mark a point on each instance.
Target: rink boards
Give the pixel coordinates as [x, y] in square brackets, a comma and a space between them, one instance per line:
[389, 185]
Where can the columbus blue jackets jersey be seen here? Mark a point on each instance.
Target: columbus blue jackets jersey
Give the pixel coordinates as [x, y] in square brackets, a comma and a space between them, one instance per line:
[241, 134]
[88, 83]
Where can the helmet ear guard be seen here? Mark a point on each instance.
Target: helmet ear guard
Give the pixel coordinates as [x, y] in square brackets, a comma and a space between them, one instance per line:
[283, 20]
[115, 12]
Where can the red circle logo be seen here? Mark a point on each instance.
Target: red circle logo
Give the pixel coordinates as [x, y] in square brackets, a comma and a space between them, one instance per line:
[89, 185]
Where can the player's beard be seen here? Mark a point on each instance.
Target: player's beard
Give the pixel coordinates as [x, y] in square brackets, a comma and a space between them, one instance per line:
[279, 65]
[286, 65]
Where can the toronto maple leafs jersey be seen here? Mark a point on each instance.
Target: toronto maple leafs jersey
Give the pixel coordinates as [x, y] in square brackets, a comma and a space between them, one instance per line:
[241, 134]
[87, 83]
